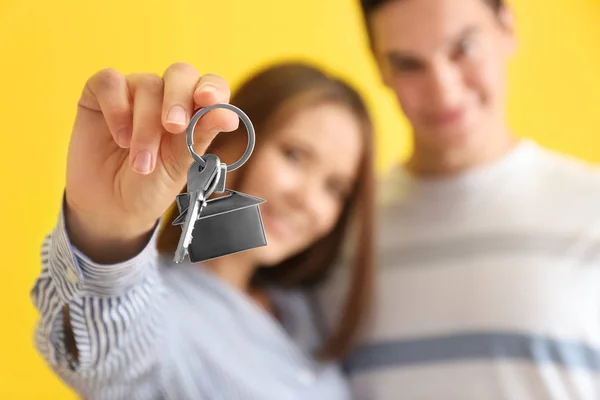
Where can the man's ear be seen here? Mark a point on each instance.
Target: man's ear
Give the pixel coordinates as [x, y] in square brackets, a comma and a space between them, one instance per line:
[506, 18]
[382, 67]
[380, 63]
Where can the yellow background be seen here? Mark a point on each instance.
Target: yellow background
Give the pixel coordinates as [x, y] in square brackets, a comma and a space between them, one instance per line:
[49, 48]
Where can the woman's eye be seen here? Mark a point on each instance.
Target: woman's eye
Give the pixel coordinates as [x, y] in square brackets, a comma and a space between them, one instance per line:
[293, 154]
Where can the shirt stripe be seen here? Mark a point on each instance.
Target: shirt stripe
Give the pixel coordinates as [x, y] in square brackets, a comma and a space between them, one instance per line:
[485, 245]
[476, 346]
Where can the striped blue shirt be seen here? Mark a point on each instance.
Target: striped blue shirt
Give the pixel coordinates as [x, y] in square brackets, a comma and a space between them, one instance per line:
[151, 329]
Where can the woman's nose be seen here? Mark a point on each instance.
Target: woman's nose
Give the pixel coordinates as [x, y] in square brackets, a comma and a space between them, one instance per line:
[308, 197]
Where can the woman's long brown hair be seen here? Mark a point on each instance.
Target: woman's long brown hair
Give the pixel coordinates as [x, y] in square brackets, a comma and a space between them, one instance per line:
[268, 98]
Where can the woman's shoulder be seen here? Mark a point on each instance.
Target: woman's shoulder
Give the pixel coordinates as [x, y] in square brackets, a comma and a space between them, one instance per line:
[184, 279]
[290, 299]
[297, 314]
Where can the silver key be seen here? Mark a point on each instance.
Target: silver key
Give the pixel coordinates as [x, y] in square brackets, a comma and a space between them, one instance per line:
[201, 182]
[224, 225]
[220, 188]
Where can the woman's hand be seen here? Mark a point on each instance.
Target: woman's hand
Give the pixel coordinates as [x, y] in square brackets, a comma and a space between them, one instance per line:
[128, 157]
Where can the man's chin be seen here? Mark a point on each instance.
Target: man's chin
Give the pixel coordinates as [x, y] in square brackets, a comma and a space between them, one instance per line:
[449, 138]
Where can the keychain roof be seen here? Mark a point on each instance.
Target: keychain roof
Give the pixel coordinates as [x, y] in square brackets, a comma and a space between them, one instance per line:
[235, 201]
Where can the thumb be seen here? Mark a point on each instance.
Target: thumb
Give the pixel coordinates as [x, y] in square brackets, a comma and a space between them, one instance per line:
[204, 126]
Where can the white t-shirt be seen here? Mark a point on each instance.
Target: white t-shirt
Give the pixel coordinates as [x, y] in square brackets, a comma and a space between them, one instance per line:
[488, 286]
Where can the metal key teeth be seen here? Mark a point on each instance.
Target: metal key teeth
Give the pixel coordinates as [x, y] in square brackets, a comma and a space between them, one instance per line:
[201, 183]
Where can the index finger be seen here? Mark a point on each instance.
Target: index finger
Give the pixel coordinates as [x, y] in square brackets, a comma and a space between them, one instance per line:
[107, 92]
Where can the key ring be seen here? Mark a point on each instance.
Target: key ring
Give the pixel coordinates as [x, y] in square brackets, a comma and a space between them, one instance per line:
[242, 116]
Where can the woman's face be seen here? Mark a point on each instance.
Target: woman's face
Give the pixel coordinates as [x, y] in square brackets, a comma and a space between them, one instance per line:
[305, 171]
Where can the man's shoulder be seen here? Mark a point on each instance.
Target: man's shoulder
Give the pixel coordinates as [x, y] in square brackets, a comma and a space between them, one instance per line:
[390, 184]
[560, 186]
[565, 171]
[569, 162]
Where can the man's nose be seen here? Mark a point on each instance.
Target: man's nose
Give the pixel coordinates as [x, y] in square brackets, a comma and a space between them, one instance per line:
[444, 84]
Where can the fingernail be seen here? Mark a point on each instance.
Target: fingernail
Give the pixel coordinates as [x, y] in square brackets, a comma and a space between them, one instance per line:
[124, 136]
[142, 162]
[177, 115]
[207, 88]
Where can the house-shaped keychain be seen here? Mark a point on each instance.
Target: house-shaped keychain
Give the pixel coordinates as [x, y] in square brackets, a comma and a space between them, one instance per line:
[226, 225]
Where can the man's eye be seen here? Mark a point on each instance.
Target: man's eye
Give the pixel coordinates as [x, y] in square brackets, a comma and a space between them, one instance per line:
[405, 65]
[465, 48]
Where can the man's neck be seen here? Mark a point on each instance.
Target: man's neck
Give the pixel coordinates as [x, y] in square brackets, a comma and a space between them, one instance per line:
[427, 162]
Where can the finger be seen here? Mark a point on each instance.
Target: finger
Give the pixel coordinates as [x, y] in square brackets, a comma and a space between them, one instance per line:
[209, 125]
[147, 92]
[212, 89]
[180, 82]
[107, 92]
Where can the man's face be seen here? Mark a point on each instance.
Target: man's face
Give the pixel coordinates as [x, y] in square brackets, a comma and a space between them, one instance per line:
[446, 62]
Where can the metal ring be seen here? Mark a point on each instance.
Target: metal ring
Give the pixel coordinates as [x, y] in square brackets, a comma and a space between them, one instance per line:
[241, 115]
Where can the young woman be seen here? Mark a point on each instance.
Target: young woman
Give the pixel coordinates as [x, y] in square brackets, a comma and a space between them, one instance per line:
[120, 320]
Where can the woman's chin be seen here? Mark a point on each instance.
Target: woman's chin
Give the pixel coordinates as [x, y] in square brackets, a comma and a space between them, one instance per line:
[272, 254]
[267, 256]
[277, 250]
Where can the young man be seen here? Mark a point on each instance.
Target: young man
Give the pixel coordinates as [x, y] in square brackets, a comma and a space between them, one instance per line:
[489, 246]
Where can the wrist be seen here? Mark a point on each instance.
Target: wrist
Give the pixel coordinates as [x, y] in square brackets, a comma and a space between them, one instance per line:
[104, 239]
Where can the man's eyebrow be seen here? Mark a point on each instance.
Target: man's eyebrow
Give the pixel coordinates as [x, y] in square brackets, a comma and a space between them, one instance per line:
[467, 32]
[407, 56]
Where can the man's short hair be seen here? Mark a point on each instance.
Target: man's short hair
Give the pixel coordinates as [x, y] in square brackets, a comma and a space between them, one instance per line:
[369, 6]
